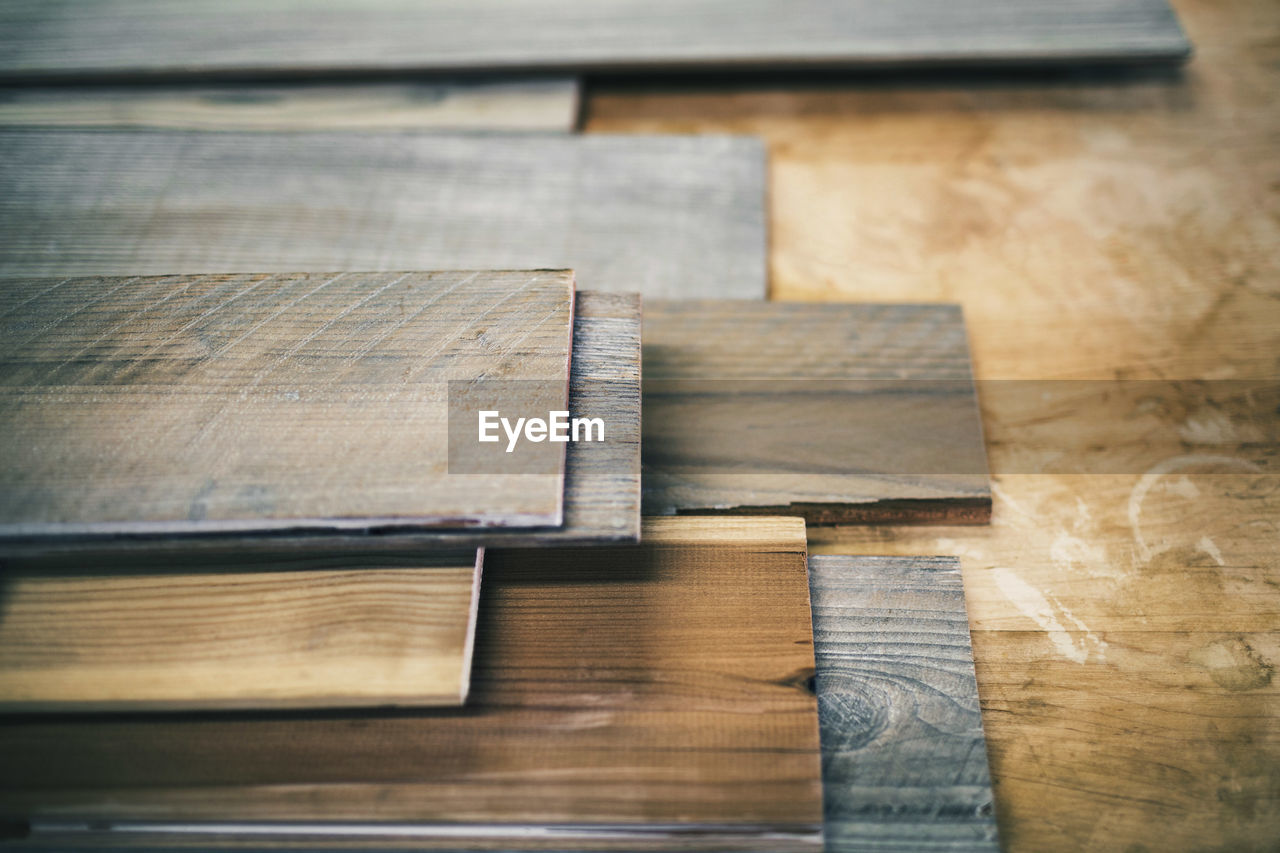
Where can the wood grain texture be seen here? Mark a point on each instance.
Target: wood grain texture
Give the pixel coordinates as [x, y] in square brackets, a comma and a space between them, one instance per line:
[656, 216]
[840, 413]
[601, 497]
[510, 105]
[139, 635]
[1094, 226]
[250, 403]
[135, 37]
[637, 698]
[904, 760]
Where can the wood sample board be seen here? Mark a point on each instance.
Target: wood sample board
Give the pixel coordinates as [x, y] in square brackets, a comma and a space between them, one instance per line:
[642, 697]
[841, 413]
[904, 759]
[601, 497]
[659, 216]
[247, 404]
[133, 37]
[534, 105]
[320, 633]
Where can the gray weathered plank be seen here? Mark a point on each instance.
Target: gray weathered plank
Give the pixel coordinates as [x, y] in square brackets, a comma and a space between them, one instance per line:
[654, 696]
[904, 759]
[660, 216]
[601, 502]
[498, 105]
[137, 37]
[839, 413]
[254, 403]
[133, 635]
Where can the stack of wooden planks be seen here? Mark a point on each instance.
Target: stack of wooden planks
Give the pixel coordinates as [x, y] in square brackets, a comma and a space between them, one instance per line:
[173, 425]
[260, 286]
[237, 495]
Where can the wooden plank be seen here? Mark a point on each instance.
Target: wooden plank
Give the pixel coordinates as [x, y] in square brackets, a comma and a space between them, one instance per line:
[255, 403]
[840, 413]
[139, 635]
[651, 215]
[601, 496]
[904, 760]
[482, 105]
[134, 37]
[640, 697]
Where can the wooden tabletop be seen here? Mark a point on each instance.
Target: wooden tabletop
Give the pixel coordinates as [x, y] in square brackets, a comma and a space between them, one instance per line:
[1105, 226]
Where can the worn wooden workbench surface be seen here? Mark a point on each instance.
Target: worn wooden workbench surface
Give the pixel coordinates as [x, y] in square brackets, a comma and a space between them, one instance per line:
[1093, 226]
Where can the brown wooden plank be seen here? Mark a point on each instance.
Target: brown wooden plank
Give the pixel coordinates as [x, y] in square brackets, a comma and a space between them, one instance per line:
[636, 697]
[251, 403]
[133, 37]
[138, 635]
[840, 413]
[903, 753]
[660, 216]
[510, 105]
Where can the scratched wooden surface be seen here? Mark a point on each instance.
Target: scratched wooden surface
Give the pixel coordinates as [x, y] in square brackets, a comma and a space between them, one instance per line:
[601, 498]
[659, 216]
[42, 38]
[99, 635]
[1093, 226]
[530, 105]
[650, 696]
[850, 413]
[904, 761]
[250, 403]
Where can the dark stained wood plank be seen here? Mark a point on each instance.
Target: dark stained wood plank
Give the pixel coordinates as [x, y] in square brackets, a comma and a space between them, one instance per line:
[904, 760]
[134, 37]
[601, 485]
[512, 105]
[135, 635]
[839, 413]
[660, 216]
[641, 697]
[257, 403]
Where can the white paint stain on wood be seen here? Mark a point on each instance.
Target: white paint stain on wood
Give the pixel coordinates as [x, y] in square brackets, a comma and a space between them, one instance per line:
[1073, 644]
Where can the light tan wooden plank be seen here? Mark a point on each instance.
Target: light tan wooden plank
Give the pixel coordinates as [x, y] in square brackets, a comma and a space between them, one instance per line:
[659, 216]
[155, 635]
[498, 105]
[840, 413]
[253, 403]
[137, 37]
[643, 697]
